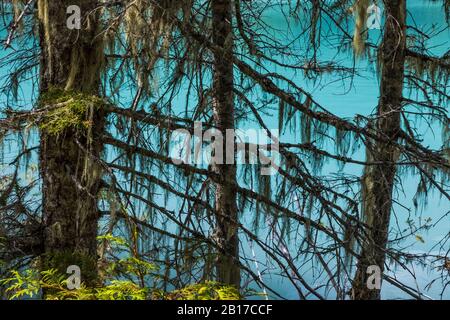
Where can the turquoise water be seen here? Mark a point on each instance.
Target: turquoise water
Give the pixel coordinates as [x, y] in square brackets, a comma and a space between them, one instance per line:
[348, 98]
[359, 95]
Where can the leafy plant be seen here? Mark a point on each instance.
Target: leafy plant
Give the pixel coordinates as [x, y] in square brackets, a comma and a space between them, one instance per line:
[52, 285]
[30, 284]
[209, 290]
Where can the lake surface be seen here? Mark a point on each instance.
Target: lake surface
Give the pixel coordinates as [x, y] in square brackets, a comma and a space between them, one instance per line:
[359, 95]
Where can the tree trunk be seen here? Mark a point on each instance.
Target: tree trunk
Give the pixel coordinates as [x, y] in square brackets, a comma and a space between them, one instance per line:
[378, 181]
[227, 264]
[71, 61]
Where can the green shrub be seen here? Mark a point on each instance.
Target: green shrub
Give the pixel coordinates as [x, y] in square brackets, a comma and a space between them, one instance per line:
[32, 283]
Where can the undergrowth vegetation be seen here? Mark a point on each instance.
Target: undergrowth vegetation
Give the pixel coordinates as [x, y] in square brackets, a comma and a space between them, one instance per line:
[127, 278]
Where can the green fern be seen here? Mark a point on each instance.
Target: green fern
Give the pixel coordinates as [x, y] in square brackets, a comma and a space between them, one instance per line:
[31, 283]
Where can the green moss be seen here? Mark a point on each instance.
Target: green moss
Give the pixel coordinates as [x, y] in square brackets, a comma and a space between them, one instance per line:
[60, 261]
[67, 109]
[208, 290]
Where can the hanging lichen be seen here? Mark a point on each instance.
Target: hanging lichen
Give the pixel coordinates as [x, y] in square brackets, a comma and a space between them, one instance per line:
[367, 191]
[436, 70]
[148, 31]
[18, 7]
[359, 37]
[45, 23]
[446, 140]
[86, 50]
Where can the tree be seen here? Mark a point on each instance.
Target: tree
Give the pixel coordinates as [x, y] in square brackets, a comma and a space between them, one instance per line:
[70, 69]
[378, 182]
[228, 270]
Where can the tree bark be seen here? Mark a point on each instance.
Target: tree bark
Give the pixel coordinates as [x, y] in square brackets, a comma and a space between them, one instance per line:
[71, 60]
[227, 264]
[378, 181]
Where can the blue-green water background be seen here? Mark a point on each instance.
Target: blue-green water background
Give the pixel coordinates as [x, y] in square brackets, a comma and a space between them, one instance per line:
[359, 95]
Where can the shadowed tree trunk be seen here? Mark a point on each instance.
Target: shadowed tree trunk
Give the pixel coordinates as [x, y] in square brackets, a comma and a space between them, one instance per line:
[378, 181]
[71, 62]
[227, 263]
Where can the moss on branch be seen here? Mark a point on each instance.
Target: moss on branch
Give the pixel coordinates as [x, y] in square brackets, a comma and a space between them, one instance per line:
[67, 109]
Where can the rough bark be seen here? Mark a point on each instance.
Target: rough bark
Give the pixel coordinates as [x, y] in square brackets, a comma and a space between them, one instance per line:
[378, 181]
[227, 264]
[70, 60]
